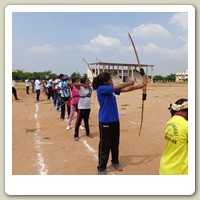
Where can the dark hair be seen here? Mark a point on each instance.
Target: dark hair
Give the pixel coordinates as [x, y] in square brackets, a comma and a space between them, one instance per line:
[100, 80]
[74, 79]
[178, 102]
[83, 80]
[61, 75]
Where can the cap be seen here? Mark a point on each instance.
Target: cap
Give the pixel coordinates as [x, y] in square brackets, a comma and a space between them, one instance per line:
[65, 76]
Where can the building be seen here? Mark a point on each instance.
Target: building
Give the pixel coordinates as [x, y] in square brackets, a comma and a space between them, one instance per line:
[120, 72]
[182, 76]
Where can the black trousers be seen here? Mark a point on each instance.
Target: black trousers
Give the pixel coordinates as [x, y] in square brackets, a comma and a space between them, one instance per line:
[109, 141]
[14, 93]
[50, 93]
[37, 95]
[27, 89]
[82, 114]
[63, 101]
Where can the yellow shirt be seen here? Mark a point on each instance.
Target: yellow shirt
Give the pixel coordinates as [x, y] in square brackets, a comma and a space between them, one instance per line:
[174, 160]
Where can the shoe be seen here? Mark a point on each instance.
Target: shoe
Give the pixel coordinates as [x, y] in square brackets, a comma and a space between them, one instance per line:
[81, 127]
[102, 172]
[68, 127]
[117, 167]
[90, 136]
[76, 139]
[61, 119]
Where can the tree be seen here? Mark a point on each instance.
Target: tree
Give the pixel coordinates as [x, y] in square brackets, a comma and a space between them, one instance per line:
[171, 77]
[75, 75]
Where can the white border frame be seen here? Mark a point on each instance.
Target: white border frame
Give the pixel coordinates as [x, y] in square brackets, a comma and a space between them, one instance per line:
[99, 185]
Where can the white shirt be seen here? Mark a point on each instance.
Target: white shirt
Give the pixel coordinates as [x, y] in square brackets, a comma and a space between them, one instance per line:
[55, 82]
[13, 83]
[37, 84]
[27, 82]
[84, 102]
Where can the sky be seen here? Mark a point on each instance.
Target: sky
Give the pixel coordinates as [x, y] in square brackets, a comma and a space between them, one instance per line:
[58, 41]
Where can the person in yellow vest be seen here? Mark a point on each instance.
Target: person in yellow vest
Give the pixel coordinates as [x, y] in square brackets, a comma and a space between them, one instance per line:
[174, 160]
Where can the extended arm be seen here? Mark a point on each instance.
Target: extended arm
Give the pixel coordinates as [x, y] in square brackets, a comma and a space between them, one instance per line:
[124, 85]
[134, 87]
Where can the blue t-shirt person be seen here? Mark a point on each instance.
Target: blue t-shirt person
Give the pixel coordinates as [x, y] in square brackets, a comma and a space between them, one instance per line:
[107, 99]
[65, 88]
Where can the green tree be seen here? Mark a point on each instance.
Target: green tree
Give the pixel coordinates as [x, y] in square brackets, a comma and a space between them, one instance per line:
[158, 78]
[75, 75]
[171, 77]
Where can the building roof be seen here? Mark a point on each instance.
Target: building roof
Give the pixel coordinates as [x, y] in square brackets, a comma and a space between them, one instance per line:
[120, 64]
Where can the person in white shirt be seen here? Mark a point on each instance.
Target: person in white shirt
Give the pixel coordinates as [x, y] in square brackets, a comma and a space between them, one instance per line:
[27, 86]
[37, 88]
[50, 89]
[84, 107]
[14, 91]
[56, 100]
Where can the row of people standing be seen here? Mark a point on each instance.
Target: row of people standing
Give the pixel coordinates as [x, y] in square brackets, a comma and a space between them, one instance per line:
[79, 96]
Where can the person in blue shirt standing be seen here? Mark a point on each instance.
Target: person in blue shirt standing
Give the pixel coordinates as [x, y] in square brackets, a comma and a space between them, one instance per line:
[64, 94]
[109, 126]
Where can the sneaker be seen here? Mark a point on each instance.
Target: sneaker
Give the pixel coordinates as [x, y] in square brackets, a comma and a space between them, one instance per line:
[90, 136]
[81, 127]
[61, 119]
[76, 139]
[102, 172]
[117, 167]
[68, 127]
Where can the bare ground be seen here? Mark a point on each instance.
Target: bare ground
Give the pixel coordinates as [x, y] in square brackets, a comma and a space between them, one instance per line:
[41, 145]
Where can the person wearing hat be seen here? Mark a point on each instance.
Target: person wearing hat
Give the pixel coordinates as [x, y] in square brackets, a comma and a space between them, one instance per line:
[174, 160]
[64, 94]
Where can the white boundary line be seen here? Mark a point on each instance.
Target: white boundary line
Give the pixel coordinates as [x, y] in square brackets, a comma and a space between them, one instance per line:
[134, 123]
[40, 158]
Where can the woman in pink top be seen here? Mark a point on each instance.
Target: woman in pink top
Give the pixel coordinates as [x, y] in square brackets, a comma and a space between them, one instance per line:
[74, 103]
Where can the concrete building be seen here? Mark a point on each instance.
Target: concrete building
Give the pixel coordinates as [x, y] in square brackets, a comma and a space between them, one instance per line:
[121, 72]
[182, 76]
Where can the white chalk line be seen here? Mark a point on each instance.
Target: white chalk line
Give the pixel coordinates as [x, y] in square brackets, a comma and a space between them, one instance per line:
[94, 152]
[40, 158]
[90, 149]
[134, 123]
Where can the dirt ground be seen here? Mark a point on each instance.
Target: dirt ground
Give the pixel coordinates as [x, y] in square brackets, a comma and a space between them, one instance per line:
[41, 144]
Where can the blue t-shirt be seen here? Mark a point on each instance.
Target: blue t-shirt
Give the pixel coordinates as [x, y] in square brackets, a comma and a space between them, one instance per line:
[108, 111]
[64, 93]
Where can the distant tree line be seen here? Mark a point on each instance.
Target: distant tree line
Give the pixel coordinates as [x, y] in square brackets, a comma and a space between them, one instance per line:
[20, 75]
[169, 78]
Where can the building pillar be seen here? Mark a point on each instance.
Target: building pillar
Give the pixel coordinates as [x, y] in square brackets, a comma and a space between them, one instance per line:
[152, 74]
[122, 73]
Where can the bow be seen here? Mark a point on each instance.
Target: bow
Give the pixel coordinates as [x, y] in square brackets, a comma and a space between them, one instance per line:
[89, 67]
[92, 76]
[144, 80]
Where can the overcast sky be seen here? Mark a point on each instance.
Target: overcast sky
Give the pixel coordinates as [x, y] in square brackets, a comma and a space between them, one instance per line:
[58, 41]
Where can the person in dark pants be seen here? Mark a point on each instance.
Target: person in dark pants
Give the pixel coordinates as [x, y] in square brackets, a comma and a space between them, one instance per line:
[33, 85]
[109, 126]
[64, 94]
[27, 86]
[37, 88]
[84, 104]
[50, 89]
[14, 91]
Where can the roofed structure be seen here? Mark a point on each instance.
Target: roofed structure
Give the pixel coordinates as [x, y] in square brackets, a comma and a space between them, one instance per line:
[120, 72]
